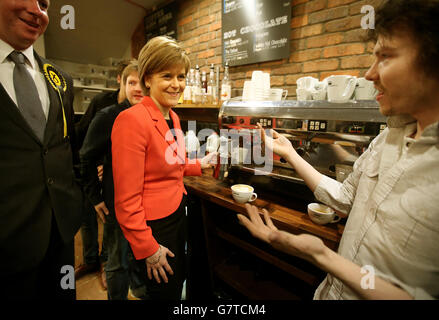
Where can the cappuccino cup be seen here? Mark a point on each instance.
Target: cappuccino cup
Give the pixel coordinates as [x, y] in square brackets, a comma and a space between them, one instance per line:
[243, 193]
[341, 88]
[365, 90]
[321, 214]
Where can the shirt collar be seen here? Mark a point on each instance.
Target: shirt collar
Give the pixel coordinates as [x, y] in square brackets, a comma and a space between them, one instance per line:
[399, 121]
[6, 49]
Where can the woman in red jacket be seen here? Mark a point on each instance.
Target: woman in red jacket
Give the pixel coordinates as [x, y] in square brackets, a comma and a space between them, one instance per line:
[149, 162]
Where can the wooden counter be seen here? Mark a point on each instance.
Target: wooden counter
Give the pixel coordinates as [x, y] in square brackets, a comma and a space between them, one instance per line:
[251, 267]
[213, 190]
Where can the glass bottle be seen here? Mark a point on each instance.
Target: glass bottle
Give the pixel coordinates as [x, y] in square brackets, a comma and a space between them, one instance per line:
[196, 87]
[187, 93]
[211, 87]
[226, 86]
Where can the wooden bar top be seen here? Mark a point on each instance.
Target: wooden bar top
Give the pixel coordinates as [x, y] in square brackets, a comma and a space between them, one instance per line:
[219, 192]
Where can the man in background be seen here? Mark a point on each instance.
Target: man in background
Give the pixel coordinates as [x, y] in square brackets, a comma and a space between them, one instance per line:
[93, 260]
[97, 146]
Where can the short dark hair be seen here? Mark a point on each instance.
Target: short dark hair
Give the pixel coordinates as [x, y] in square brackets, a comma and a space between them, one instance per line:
[420, 18]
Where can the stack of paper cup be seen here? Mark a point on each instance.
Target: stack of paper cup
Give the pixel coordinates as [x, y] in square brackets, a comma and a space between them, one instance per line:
[261, 85]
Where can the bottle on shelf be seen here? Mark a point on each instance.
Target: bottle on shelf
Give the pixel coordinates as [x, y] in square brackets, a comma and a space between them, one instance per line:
[196, 87]
[187, 93]
[211, 87]
[203, 82]
[226, 86]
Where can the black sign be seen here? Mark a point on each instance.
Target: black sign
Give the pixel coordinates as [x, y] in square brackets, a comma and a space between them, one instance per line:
[162, 22]
[255, 30]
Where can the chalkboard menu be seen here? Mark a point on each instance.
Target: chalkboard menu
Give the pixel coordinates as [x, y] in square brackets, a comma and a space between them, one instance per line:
[162, 22]
[255, 30]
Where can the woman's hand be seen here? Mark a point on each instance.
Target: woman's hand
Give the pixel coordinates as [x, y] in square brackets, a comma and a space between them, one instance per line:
[209, 160]
[157, 265]
[277, 143]
[305, 246]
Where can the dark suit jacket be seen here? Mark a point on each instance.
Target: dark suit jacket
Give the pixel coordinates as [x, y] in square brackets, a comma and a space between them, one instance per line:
[37, 181]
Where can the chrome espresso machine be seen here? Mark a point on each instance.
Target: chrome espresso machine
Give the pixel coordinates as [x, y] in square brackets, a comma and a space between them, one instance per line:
[330, 136]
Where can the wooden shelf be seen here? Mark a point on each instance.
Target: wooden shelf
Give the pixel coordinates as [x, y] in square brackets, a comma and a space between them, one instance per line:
[198, 106]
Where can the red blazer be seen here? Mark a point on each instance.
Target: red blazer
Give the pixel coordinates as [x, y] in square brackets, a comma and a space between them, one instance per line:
[148, 170]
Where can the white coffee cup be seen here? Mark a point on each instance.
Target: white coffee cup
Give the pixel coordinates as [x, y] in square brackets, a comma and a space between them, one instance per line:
[278, 94]
[365, 90]
[243, 193]
[248, 92]
[341, 88]
[321, 214]
[306, 83]
[303, 94]
[319, 90]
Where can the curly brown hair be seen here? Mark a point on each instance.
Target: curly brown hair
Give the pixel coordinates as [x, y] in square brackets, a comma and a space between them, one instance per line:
[420, 19]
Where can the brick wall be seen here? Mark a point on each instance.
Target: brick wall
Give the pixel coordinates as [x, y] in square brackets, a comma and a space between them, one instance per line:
[326, 38]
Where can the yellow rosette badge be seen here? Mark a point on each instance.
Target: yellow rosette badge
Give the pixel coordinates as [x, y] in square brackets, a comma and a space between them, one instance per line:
[59, 84]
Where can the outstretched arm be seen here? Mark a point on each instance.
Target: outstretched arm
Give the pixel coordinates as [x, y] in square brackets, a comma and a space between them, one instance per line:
[312, 249]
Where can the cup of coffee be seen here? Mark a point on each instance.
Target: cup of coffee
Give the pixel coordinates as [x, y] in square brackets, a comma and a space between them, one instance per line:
[321, 214]
[365, 90]
[243, 193]
[341, 88]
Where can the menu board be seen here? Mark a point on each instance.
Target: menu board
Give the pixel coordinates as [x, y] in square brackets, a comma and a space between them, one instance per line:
[162, 22]
[255, 30]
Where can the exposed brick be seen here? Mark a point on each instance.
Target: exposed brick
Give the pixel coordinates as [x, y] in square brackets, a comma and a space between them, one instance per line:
[184, 21]
[206, 37]
[308, 7]
[324, 40]
[305, 55]
[355, 73]
[307, 31]
[343, 50]
[288, 69]
[355, 8]
[296, 45]
[343, 24]
[299, 21]
[215, 26]
[357, 62]
[206, 20]
[336, 3]
[329, 14]
[200, 30]
[327, 64]
[277, 80]
[356, 35]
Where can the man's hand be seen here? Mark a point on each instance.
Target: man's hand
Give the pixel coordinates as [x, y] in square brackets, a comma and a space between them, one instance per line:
[100, 172]
[157, 265]
[209, 160]
[305, 246]
[102, 210]
[277, 143]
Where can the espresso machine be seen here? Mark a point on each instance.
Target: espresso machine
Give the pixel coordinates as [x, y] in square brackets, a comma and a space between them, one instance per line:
[329, 136]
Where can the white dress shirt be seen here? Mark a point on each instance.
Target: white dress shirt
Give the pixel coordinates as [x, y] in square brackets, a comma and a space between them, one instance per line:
[392, 198]
[7, 69]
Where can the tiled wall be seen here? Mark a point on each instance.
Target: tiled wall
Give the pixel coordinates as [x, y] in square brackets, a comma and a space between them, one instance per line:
[326, 38]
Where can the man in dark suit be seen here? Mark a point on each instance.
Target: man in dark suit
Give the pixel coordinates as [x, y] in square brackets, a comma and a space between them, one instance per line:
[40, 200]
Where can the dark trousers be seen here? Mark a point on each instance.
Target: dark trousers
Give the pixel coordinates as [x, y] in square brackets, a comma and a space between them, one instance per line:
[46, 281]
[170, 232]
